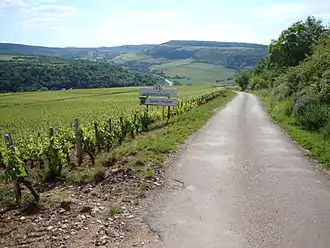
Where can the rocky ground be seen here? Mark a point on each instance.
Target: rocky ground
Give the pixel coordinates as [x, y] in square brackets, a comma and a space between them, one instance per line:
[92, 215]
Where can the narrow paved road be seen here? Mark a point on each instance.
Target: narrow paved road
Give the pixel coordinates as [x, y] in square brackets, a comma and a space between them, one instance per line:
[244, 185]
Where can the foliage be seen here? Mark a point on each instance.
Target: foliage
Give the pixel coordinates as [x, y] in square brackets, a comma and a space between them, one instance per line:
[242, 79]
[326, 131]
[55, 74]
[314, 117]
[14, 165]
[295, 43]
[297, 71]
[257, 83]
[114, 210]
[296, 85]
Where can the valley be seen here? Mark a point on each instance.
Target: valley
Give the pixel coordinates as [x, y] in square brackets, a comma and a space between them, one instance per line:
[185, 62]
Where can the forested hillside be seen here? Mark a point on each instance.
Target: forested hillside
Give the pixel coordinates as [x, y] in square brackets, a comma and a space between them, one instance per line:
[197, 43]
[47, 73]
[102, 53]
[231, 55]
[295, 79]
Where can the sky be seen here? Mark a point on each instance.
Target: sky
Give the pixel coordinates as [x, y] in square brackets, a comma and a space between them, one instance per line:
[93, 23]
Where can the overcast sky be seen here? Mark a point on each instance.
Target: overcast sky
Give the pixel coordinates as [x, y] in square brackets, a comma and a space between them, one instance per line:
[86, 23]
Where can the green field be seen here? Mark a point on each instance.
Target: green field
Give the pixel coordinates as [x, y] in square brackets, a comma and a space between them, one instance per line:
[196, 73]
[6, 57]
[25, 113]
[140, 57]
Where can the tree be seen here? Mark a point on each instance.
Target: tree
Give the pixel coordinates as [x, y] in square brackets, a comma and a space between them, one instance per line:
[295, 43]
[242, 79]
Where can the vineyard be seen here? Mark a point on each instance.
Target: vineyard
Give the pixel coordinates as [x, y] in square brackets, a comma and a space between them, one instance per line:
[29, 113]
[75, 143]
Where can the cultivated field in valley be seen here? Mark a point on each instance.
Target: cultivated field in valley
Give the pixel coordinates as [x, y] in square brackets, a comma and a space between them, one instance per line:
[195, 73]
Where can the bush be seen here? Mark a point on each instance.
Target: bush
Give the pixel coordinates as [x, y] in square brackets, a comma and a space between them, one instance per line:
[302, 101]
[288, 107]
[326, 130]
[313, 117]
[325, 91]
[257, 83]
[282, 90]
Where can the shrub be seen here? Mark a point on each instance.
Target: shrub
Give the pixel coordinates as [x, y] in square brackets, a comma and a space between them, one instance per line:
[313, 117]
[288, 107]
[114, 210]
[325, 91]
[326, 130]
[257, 83]
[302, 101]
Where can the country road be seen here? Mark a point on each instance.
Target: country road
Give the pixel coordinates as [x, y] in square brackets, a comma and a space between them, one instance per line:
[241, 183]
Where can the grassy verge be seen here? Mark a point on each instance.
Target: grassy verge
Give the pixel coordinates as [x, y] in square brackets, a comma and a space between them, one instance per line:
[147, 152]
[317, 146]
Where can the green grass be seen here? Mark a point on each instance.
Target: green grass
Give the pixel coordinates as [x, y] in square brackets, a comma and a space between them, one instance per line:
[25, 113]
[7, 196]
[84, 175]
[114, 210]
[150, 151]
[317, 146]
[5, 193]
[196, 73]
[6, 57]
[140, 57]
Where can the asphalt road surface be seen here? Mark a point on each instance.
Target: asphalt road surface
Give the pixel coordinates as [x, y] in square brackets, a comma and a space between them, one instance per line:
[244, 184]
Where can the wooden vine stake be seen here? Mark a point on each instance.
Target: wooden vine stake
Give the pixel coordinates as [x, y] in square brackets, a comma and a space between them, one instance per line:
[122, 129]
[133, 127]
[163, 112]
[110, 125]
[98, 137]
[78, 141]
[168, 111]
[19, 180]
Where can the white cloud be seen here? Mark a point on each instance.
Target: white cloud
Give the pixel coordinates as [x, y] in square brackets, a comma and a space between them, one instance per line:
[146, 17]
[8, 3]
[4, 4]
[154, 14]
[47, 16]
[57, 11]
[290, 12]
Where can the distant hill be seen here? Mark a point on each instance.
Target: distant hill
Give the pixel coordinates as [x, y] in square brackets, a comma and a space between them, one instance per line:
[178, 59]
[68, 52]
[212, 44]
[233, 55]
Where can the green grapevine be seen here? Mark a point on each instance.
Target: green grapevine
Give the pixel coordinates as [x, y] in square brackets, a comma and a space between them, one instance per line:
[58, 148]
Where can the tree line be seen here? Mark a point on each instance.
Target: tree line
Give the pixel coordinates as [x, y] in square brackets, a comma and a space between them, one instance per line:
[46, 73]
[297, 73]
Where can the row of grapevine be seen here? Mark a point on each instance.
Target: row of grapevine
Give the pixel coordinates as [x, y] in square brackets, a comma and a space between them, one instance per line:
[64, 147]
